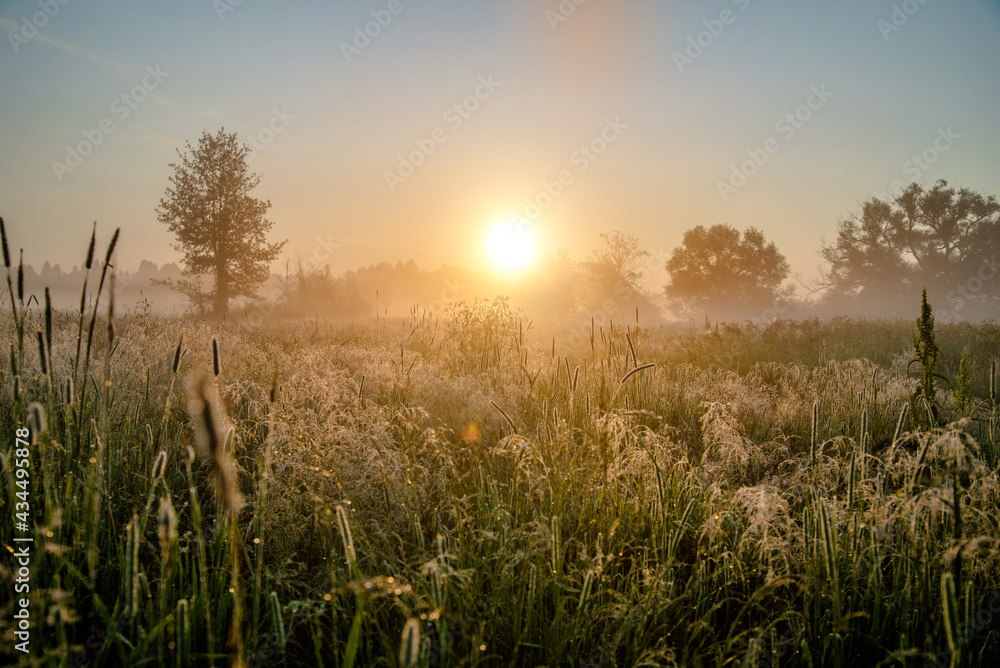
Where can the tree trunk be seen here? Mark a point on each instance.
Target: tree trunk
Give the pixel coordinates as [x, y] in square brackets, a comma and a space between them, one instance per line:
[221, 291]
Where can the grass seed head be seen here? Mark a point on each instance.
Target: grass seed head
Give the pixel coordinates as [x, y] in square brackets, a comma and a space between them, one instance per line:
[90, 249]
[111, 246]
[159, 464]
[43, 358]
[111, 294]
[993, 381]
[183, 622]
[205, 407]
[409, 646]
[166, 528]
[3, 239]
[177, 356]
[273, 395]
[48, 319]
[216, 358]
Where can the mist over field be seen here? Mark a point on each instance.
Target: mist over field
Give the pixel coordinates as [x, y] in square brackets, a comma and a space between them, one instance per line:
[527, 333]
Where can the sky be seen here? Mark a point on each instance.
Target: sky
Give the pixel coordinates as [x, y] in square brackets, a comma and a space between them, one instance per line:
[579, 117]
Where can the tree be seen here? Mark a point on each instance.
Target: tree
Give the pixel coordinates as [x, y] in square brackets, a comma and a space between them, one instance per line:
[219, 227]
[614, 267]
[943, 238]
[610, 285]
[308, 290]
[737, 275]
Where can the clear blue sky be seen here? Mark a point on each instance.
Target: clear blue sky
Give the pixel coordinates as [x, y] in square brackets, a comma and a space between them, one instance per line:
[680, 128]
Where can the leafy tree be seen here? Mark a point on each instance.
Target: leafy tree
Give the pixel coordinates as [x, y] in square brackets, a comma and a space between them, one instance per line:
[309, 290]
[219, 226]
[943, 238]
[615, 266]
[610, 280]
[735, 274]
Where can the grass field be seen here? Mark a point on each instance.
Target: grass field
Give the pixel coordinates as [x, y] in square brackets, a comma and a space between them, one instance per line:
[466, 492]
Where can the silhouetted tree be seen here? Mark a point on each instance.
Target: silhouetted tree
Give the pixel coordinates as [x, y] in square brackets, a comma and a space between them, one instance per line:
[310, 291]
[220, 228]
[943, 238]
[614, 267]
[736, 275]
[610, 285]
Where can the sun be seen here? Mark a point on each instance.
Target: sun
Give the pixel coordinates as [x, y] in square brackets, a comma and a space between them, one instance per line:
[511, 246]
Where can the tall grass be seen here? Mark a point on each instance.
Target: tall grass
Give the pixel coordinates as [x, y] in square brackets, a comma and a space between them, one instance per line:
[458, 494]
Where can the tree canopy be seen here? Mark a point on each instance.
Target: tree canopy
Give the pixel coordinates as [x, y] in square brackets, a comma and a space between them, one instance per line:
[615, 266]
[942, 238]
[718, 269]
[220, 227]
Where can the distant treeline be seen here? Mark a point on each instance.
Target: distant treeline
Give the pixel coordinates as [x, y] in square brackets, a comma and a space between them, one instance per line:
[561, 291]
[133, 290]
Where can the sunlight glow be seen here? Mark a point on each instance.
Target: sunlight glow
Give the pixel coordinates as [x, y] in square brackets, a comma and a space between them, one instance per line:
[511, 246]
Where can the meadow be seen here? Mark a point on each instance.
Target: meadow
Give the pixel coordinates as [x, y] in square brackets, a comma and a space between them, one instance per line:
[466, 491]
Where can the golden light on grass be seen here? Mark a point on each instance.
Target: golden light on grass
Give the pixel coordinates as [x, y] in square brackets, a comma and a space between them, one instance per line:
[762, 501]
[511, 246]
